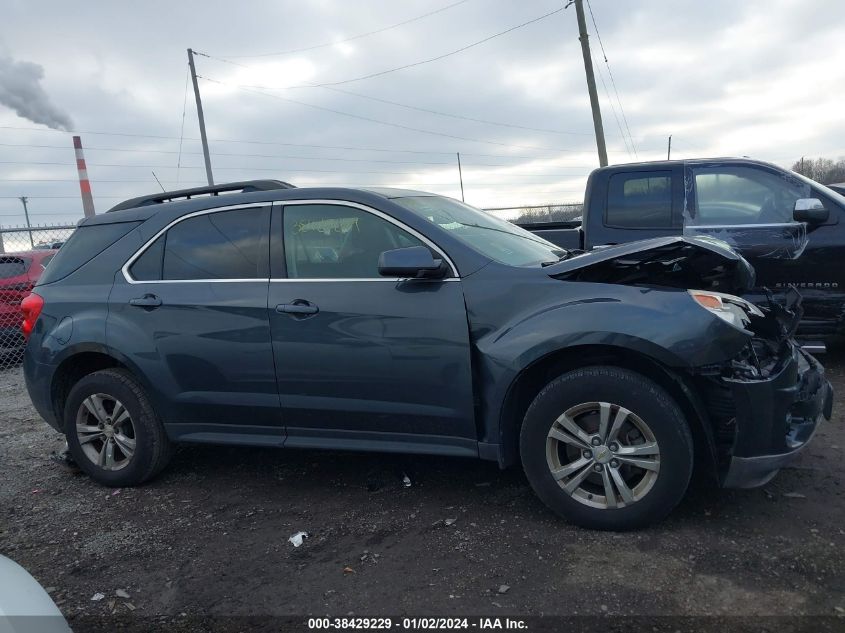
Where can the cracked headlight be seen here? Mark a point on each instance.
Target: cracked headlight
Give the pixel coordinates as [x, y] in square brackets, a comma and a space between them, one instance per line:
[731, 309]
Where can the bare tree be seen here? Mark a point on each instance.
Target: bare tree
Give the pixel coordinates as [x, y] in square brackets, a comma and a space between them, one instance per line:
[823, 170]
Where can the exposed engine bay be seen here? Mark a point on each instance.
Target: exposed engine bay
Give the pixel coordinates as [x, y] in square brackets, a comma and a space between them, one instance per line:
[671, 262]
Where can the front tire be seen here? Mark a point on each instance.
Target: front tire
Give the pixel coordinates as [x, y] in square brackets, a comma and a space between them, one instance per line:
[112, 431]
[607, 448]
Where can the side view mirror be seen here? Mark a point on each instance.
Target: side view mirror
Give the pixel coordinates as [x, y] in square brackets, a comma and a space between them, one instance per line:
[415, 261]
[810, 210]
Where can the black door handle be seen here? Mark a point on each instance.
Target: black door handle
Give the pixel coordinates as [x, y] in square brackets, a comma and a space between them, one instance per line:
[147, 301]
[300, 307]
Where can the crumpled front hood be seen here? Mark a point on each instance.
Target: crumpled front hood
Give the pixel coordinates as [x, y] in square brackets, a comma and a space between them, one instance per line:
[702, 263]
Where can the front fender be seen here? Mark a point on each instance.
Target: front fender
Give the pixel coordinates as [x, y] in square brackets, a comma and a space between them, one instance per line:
[665, 326]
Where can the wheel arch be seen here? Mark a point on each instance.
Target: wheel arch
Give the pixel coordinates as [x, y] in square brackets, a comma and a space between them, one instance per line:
[79, 363]
[678, 384]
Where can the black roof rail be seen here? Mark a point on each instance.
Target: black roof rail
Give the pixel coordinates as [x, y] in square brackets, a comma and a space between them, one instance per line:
[245, 186]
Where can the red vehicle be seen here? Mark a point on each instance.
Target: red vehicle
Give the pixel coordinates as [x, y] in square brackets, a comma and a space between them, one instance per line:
[18, 274]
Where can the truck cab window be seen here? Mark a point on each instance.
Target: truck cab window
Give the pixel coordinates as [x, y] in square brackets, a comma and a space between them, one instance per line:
[730, 195]
[640, 200]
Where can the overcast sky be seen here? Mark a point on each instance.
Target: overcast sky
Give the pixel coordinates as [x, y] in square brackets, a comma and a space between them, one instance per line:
[763, 78]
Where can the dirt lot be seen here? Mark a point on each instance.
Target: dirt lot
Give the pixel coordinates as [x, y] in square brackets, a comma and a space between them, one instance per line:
[210, 536]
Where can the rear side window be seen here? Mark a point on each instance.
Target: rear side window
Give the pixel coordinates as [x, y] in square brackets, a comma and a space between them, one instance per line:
[86, 243]
[12, 266]
[640, 200]
[221, 245]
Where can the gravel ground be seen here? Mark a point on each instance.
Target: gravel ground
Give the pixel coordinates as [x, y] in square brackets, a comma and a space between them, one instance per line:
[210, 536]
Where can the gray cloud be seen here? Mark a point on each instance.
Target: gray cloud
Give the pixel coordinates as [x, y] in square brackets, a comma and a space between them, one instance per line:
[21, 90]
[764, 78]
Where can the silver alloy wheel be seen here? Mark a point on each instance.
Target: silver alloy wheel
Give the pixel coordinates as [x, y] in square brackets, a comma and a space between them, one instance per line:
[603, 455]
[105, 431]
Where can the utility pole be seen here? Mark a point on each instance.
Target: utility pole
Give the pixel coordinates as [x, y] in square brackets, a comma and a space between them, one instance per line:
[24, 200]
[461, 177]
[201, 118]
[591, 82]
[669, 151]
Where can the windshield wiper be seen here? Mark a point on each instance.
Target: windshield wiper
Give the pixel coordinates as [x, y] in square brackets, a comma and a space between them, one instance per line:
[566, 255]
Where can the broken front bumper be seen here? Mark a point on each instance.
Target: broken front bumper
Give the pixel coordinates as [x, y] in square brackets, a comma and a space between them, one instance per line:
[775, 417]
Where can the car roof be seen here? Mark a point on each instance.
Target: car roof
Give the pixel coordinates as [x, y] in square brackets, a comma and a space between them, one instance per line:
[394, 192]
[268, 191]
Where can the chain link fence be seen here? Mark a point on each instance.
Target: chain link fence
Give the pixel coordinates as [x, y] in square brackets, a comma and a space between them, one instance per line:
[541, 214]
[24, 253]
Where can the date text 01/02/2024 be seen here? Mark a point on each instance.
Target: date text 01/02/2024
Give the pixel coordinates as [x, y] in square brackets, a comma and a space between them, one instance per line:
[408, 624]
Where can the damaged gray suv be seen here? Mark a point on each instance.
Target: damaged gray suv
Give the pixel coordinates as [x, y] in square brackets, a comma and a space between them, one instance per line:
[400, 321]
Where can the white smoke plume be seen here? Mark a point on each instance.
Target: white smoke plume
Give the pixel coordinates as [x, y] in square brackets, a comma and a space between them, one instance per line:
[21, 90]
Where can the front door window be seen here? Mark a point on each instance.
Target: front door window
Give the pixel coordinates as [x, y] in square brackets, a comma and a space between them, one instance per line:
[732, 195]
[324, 241]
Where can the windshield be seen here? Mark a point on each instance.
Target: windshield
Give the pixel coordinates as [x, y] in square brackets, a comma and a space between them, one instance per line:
[495, 238]
[837, 197]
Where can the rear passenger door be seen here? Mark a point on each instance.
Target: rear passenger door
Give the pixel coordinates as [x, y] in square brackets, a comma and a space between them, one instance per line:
[365, 361]
[191, 309]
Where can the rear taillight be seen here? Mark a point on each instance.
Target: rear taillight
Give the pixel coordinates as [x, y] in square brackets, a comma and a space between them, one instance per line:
[31, 307]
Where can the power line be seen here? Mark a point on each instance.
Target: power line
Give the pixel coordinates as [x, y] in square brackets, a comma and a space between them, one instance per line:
[292, 157]
[613, 109]
[456, 116]
[260, 90]
[438, 57]
[280, 143]
[247, 168]
[405, 105]
[354, 37]
[182, 129]
[612, 80]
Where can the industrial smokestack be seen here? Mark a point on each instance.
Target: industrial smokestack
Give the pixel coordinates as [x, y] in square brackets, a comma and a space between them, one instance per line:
[84, 183]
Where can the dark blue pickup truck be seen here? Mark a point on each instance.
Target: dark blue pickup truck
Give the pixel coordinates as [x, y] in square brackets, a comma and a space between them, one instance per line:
[787, 226]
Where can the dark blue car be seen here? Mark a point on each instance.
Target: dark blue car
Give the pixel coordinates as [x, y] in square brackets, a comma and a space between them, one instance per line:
[400, 321]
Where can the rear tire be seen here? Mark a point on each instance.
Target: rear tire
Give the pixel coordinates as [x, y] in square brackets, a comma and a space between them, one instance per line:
[607, 448]
[112, 430]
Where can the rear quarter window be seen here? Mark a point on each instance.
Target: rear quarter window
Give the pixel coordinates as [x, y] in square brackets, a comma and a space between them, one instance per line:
[86, 243]
[640, 200]
[12, 266]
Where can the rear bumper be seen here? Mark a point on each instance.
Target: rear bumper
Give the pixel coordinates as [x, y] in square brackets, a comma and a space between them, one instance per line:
[37, 378]
[776, 417]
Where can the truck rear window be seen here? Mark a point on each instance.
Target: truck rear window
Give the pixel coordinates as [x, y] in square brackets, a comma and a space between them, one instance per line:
[640, 200]
[84, 244]
[12, 266]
